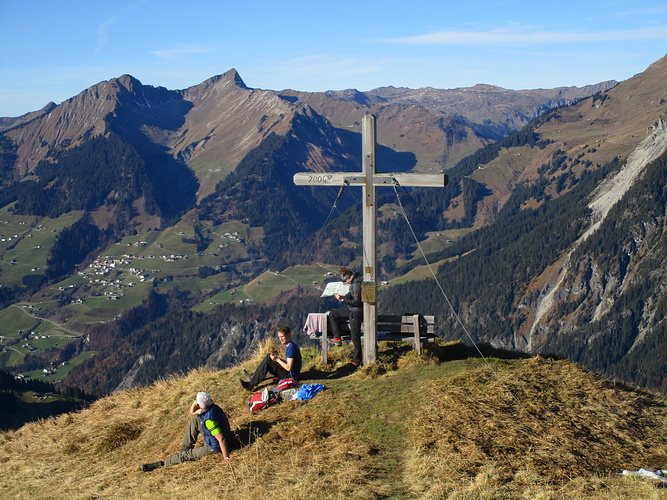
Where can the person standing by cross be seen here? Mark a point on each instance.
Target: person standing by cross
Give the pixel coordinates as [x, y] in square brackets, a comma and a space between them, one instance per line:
[353, 312]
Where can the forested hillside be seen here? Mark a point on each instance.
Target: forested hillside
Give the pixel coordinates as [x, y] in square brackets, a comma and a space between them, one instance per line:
[620, 307]
[151, 341]
[612, 319]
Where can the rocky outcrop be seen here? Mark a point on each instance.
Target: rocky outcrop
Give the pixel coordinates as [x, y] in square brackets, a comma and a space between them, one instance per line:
[604, 290]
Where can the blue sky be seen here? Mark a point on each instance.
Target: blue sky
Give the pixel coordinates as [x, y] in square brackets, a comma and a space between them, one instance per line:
[51, 50]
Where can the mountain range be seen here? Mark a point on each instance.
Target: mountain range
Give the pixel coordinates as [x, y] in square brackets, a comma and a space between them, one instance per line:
[138, 217]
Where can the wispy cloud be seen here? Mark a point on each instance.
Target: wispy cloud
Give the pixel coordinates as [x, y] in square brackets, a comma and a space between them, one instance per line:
[180, 52]
[104, 29]
[325, 66]
[518, 36]
[104, 33]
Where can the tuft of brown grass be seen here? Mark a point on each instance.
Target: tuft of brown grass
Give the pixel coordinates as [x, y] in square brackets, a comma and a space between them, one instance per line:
[117, 435]
[408, 427]
[531, 425]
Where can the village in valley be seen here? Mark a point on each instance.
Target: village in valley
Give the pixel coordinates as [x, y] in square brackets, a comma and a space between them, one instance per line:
[119, 279]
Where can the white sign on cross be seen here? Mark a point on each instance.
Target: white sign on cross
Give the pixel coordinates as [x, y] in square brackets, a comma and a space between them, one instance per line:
[369, 180]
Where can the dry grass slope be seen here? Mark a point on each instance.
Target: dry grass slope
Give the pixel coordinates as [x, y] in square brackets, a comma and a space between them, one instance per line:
[405, 427]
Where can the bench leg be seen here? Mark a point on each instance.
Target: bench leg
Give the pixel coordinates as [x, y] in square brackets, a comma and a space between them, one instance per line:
[418, 340]
[325, 339]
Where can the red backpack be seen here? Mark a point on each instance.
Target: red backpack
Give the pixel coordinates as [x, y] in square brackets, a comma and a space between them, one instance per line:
[286, 383]
[261, 400]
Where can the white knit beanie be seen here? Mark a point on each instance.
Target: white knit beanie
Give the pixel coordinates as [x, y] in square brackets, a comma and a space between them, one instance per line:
[203, 399]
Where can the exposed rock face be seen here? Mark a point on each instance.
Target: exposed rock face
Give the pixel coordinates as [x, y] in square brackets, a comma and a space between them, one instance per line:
[213, 125]
[603, 286]
[495, 107]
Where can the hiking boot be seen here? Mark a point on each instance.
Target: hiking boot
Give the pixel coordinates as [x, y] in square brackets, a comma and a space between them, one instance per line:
[246, 374]
[150, 467]
[245, 385]
[185, 448]
[336, 341]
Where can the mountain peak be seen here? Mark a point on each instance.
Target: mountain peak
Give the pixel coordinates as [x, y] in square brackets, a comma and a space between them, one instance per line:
[49, 106]
[484, 87]
[127, 82]
[233, 76]
[230, 77]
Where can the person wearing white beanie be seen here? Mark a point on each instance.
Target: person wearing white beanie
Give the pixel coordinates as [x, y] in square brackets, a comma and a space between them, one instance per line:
[209, 420]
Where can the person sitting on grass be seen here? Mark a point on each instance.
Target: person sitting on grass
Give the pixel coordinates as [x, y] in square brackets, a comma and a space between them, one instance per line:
[207, 419]
[288, 368]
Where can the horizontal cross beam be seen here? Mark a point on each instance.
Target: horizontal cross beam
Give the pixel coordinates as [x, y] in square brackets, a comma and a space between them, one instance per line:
[340, 178]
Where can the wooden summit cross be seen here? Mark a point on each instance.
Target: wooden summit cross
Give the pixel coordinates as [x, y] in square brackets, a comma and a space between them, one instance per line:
[369, 180]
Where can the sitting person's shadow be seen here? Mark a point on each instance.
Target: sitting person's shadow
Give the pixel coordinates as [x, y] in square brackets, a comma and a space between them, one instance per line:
[315, 375]
[248, 433]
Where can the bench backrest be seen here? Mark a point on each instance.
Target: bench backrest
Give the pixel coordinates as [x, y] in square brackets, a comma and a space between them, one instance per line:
[404, 323]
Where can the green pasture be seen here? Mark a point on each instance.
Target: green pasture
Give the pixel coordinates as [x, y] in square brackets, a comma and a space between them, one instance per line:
[500, 171]
[236, 295]
[39, 308]
[419, 273]
[81, 314]
[210, 304]
[27, 242]
[195, 284]
[53, 341]
[11, 356]
[60, 372]
[46, 328]
[147, 252]
[439, 240]
[209, 173]
[266, 287]
[13, 319]
[159, 244]
[103, 308]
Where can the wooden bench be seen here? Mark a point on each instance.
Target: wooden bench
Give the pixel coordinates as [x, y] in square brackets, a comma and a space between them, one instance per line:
[390, 328]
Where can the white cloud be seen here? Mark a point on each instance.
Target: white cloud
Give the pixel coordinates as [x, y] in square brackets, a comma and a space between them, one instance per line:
[325, 66]
[104, 29]
[104, 33]
[515, 36]
[177, 53]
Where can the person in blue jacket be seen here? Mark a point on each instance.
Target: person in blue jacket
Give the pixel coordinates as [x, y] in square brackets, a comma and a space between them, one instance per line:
[290, 367]
[209, 420]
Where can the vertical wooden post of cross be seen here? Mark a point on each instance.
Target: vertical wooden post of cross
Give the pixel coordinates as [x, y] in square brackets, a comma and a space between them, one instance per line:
[369, 193]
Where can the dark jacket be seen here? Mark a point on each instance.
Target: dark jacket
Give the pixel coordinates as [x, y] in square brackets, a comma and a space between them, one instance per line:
[353, 297]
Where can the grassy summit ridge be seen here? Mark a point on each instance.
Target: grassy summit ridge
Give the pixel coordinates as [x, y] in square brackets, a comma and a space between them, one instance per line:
[447, 426]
